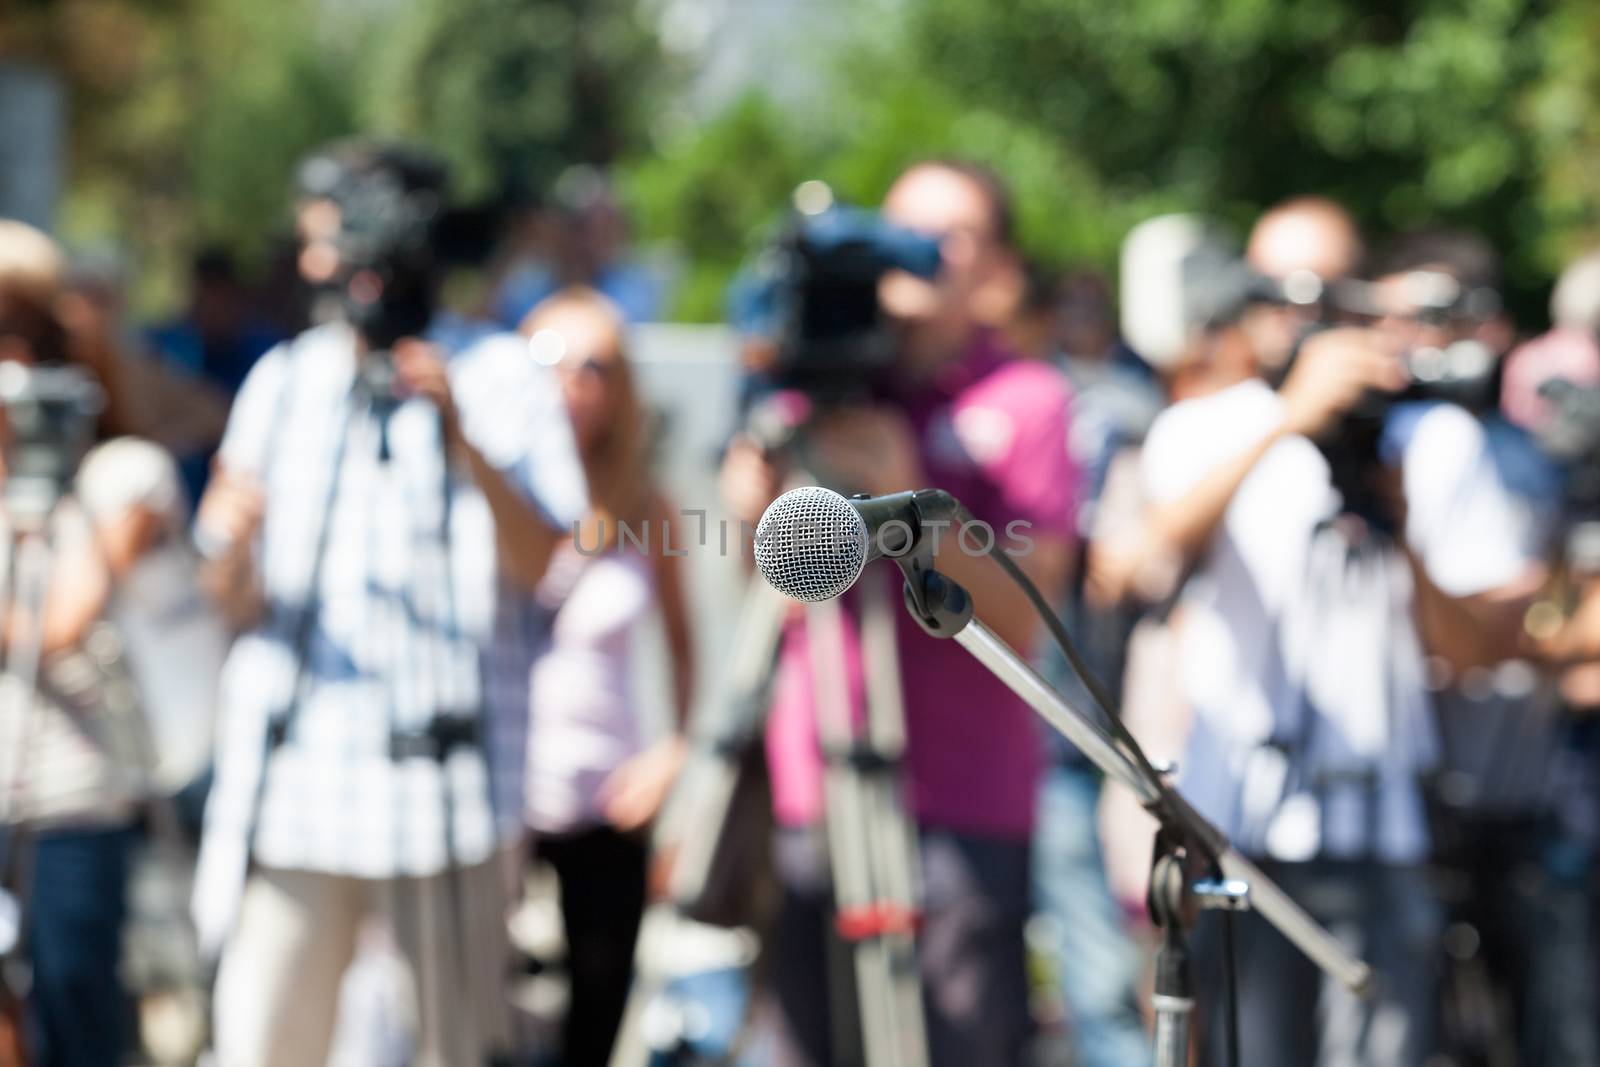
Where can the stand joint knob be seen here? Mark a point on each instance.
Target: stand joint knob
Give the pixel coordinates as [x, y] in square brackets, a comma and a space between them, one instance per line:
[1229, 894]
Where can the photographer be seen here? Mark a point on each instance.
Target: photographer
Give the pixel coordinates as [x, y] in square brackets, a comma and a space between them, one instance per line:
[377, 540]
[1302, 654]
[1508, 779]
[76, 767]
[961, 415]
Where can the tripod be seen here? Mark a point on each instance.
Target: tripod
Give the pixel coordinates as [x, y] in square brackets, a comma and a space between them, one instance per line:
[871, 841]
[22, 602]
[78, 750]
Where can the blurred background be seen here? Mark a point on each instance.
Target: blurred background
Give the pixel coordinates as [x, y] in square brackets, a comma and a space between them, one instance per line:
[154, 129]
[648, 147]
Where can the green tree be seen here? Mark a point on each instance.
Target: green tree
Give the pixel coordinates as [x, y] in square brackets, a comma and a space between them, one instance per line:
[1476, 113]
[188, 118]
[714, 194]
[514, 91]
[1423, 112]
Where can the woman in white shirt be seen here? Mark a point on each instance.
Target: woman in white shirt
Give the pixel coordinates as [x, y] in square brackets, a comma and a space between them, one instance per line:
[594, 783]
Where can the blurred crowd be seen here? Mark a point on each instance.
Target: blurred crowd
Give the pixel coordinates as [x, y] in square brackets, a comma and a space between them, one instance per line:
[342, 608]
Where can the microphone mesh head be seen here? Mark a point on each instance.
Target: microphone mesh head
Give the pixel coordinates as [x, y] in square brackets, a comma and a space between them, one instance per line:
[811, 544]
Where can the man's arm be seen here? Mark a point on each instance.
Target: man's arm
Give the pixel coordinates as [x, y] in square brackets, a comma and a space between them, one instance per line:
[1473, 546]
[230, 513]
[526, 536]
[1477, 630]
[227, 520]
[1333, 371]
[1571, 641]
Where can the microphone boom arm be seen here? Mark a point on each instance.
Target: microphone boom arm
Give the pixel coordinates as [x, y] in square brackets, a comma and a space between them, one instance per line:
[944, 609]
[812, 544]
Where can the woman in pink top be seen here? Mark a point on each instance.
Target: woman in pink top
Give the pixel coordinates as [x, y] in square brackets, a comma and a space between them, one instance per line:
[594, 785]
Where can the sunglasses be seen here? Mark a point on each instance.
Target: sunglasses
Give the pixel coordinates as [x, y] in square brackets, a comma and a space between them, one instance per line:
[550, 348]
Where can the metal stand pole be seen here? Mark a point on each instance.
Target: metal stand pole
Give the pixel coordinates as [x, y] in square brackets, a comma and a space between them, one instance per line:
[1173, 998]
[944, 609]
[1175, 896]
[1265, 897]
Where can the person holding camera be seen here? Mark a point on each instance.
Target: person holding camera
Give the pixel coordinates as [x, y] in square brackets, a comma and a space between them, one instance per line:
[376, 531]
[76, 765]
[962, 415]
[1308, 626]
[1515, 786]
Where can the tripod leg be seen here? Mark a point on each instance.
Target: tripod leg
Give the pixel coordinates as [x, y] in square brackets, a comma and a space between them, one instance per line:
[842, 806]
[17, 709]
[699, 807]
[893, 840]
[24, 611]
[15, 712]
[870, 846]
[24, 653]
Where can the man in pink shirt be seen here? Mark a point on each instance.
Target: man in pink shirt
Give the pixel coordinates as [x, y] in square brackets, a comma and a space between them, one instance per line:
[963, 416]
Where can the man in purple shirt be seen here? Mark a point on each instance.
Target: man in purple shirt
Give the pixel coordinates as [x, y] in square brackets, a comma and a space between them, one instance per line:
[966, 417]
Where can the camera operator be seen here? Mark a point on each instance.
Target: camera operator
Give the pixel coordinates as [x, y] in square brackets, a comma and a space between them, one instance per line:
[1552, 390]
[961, 415]
[1506, 776]
[1302, 655]
[372, 750]
[76, 763]
[1303, 237]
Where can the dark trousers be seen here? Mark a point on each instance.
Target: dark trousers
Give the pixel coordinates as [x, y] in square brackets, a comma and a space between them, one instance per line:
[75, 916]
[1289, 1012]
[1524, 889]
[602, 877]
[970, 948]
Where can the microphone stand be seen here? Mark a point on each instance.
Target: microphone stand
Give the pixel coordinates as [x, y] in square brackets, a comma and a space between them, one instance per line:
[873, 861]
[1179, 886]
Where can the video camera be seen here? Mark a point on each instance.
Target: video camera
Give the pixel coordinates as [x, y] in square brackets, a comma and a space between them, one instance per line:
[1183, 278]
[814, 291]
[50, 414]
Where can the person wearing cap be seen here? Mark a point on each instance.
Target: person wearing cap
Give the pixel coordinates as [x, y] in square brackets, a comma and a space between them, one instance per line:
[377, 545]
[74, 764]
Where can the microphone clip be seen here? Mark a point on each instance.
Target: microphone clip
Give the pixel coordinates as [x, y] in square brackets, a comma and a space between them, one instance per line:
[939, 605]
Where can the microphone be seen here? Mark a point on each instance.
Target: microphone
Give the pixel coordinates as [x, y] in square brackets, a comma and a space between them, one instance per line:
[812, 543]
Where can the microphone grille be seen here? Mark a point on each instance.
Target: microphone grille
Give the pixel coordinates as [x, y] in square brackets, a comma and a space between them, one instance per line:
[811, 544]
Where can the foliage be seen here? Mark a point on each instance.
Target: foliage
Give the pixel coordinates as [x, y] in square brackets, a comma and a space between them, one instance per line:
[514, 91]
[187, 115]
[188, 118]
[712, 196]
[1421, 112]
[715, 194]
